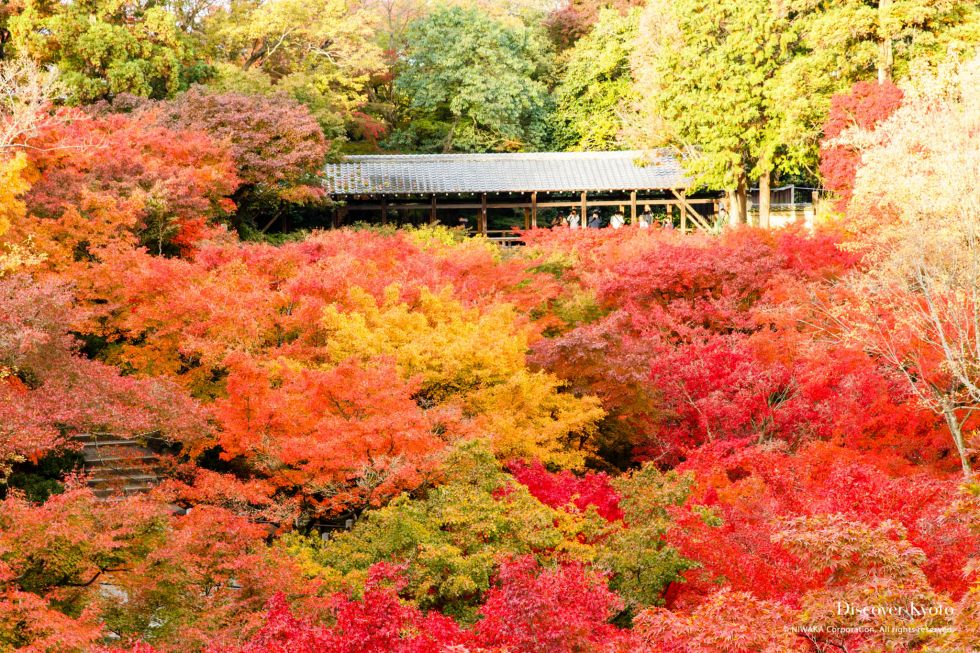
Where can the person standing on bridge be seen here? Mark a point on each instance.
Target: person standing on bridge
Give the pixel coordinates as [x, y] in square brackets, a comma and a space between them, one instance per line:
[646, 218]
[595, 222]
[618, 220]
[573, 220]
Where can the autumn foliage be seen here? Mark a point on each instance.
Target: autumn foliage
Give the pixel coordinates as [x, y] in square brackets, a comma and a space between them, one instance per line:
[369, 439]
[866, 105]
[99, 183]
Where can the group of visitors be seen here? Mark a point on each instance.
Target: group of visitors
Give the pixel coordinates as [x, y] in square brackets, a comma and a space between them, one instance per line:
[617, 221]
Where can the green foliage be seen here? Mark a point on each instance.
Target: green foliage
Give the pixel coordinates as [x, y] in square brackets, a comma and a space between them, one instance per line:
[642, 563]
[319, 52]
[850, 39]
[840, 43]
[107, 47]
[746, 85]
[579, 309]
[556, 264]
[712, 75]
[40, 480]
[453, 539]
[596, 84]
[473, 84]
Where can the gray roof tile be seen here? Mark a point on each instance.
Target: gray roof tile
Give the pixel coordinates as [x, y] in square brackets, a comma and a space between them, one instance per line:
[392, 174]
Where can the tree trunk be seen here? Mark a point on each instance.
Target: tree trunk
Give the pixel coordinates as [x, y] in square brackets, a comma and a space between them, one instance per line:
[737, 202]
[956, 431]
[447, 144]
[886, 60]
[764, 199]
[886, 46]
[4, 38]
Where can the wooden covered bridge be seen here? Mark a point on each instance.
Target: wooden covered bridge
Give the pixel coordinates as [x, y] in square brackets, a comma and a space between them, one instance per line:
[492, 194]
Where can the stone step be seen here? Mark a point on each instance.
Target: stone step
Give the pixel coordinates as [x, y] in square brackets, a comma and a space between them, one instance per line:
[96, 444]
[109, 493]
[124, 480]
[108, 458]
[122, 470]
[128, 478]
[118, 466]
[88, 437]
[125, 484]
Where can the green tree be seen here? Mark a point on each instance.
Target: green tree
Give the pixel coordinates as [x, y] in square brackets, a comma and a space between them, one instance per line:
[473, 84]
[841, 43]
[715, 76]
[453, 539]
[855, 39]
[107, 47]
[318, 51]
[596, 84]
[744, 87]
[642, 564]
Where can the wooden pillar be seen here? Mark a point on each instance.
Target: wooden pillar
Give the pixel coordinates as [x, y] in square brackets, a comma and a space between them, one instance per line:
[534, 210]
[765, 199]
[483, 214]
[527, 218]
[585, 218]
[633, 208]
[384, 210]
[432, 211]
[682, 210]
[792, 201]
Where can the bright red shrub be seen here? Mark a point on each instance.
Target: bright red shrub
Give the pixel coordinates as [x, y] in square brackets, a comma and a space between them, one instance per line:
[354, 429]
[608, 359]
[680, 290]
[749, 487]
[560, 489]
[378, 623]
[864, 106]
[550, 611]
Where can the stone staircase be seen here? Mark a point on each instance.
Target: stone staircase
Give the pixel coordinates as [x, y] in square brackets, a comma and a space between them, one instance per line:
[118, 466]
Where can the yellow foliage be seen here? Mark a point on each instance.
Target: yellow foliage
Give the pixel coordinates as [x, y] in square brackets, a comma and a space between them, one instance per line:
[12, 209]
[435, 236]
[474, 360]
[15, 256]
[12, 186]
[452, 348]
[528, 417]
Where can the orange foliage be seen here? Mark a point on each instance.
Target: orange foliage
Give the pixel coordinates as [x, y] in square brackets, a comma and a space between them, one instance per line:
[348, 436]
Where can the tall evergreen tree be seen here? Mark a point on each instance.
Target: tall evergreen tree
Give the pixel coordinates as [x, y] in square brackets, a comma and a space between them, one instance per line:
[713, 76]
[473, 84]
[856, 39]
[107, 47]
[596, 83]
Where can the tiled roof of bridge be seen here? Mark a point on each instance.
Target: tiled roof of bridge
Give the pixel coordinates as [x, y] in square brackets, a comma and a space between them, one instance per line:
[392, 174]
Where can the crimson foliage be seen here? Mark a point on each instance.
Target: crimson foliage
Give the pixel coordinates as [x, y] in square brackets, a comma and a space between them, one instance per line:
[863, 107]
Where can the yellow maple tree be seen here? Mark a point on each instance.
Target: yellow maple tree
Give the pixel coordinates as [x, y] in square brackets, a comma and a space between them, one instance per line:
[473, 359]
